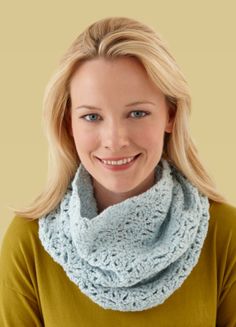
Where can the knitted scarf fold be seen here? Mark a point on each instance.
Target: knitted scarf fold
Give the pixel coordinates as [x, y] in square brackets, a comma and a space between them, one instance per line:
[134, 254]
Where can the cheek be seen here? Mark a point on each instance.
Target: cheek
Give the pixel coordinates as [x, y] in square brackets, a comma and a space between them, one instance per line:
[152, 139]
[85, 142]
[84, 139]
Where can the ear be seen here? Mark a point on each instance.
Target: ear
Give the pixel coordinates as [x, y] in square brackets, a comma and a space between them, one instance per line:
[170, 120]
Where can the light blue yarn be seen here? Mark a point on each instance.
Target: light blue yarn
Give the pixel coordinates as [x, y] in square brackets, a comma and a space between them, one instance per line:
[134, 254]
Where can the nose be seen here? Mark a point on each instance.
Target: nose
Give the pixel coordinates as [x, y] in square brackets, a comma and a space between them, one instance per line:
[115, 136]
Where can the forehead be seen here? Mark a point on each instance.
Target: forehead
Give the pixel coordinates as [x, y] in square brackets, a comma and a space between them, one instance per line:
[125, 74]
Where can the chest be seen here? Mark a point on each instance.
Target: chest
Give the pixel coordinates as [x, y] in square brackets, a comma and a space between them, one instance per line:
[194, 303]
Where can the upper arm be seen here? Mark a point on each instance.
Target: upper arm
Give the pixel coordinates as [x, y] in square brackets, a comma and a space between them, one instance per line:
[19, 302]
[226, 312]
[17, 309]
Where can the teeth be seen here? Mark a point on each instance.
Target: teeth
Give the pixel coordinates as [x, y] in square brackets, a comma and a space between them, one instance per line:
[117, 163]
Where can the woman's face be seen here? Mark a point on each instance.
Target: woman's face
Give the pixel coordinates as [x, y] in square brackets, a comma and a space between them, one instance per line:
[116, 128]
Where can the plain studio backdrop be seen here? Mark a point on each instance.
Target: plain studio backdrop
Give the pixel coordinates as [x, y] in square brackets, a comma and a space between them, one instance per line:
[34, 36]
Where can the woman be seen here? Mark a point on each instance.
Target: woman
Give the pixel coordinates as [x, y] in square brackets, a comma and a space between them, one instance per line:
[130, 229]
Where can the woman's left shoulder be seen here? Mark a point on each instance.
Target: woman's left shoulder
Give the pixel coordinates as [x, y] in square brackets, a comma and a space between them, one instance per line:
[223, 214]
[222, 245]
[222, 222]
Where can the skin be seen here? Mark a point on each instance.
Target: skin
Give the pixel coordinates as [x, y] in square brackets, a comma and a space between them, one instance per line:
[117, 130]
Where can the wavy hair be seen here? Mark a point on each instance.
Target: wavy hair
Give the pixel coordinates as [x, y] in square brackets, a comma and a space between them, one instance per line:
[109, 38]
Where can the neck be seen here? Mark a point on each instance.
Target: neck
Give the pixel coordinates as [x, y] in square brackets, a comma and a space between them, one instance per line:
[106, 198]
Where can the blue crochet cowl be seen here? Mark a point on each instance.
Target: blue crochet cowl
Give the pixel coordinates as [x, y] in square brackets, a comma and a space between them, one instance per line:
[133, 255]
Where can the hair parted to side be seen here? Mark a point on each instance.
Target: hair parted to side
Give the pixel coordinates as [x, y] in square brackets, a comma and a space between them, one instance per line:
[109, 38]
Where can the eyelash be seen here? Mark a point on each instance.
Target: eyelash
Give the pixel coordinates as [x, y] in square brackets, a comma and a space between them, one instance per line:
[83, 117]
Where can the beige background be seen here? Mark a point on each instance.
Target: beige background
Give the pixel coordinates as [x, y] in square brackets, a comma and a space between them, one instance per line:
[34, 35]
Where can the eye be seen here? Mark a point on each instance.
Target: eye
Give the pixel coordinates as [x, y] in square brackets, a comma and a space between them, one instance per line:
[91, 116]
[140, 113]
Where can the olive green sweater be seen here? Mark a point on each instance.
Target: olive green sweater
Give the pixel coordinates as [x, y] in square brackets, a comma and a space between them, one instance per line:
[35, 291]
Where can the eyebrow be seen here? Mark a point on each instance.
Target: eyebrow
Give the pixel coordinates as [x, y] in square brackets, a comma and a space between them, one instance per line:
[128, 105]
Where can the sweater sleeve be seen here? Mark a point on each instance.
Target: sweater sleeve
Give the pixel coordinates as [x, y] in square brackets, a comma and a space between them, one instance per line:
[226, 312]
[19, 302]
[17, 309]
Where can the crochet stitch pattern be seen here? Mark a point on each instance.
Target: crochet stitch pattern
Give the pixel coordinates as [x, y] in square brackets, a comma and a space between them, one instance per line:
[136, 253]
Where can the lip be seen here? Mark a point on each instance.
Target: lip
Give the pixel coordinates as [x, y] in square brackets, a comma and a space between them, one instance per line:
[120, 167]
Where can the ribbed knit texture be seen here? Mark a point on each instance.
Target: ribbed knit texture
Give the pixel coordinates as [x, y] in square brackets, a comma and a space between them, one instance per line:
[134, 254]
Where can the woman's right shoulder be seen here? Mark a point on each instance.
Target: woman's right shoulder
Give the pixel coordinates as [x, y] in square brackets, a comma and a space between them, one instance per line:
[19, 230]
[19, 256]
[19, 250]
[19, 239]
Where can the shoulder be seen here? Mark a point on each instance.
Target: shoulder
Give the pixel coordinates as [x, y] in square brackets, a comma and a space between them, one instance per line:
[223, 217]
[222, 224]
[222, 237]
[20, 258]
[19, 244]
[20, 231]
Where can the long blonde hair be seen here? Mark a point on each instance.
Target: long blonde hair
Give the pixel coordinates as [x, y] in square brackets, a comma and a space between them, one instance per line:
[109, 38]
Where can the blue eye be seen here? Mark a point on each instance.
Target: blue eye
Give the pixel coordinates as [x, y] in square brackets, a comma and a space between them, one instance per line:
[139, 113]
[93, 116]
[84, 117]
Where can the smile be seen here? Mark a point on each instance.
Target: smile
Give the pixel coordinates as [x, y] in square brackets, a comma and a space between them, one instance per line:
[119, 164]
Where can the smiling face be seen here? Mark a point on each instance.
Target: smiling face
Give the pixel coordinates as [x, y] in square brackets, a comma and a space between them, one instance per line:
[116, 128]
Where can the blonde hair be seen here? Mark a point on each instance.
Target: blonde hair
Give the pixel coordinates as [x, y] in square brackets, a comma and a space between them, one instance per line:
[110, 38]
